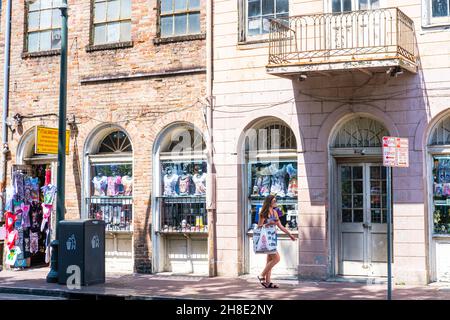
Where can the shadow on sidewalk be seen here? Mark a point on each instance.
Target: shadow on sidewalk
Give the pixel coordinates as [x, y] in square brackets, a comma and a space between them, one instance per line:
[142, 286]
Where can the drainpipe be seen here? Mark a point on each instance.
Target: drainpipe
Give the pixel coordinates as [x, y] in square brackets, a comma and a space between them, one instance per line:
[210, 196]
[6, 67]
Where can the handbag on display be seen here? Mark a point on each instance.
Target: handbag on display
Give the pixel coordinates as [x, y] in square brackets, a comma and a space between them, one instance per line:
[265, 240]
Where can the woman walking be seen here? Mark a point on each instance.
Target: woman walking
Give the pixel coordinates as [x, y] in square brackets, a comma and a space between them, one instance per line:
[268, 216]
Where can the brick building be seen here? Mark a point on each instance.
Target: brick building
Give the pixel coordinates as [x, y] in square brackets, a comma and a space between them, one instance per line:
[135, 68]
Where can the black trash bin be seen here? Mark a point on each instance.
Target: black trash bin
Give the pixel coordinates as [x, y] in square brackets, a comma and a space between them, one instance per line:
[81, 244]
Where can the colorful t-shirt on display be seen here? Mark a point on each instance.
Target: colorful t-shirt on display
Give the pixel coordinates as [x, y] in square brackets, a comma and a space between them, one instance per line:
[170, 183]
[100, 185]
[127, 182]
[278, 186]
[25, 215]
[118, 187]
[10, 220]
[49, 192]
[111, 186]
[199, 182]
[184, 184]
[9, 198]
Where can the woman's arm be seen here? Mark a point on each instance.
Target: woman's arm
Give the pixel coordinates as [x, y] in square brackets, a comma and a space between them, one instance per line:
[279, 225]
[261, 221]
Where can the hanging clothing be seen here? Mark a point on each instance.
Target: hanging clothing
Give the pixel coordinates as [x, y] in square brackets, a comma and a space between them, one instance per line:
[25, 215]
[10, 220]
[111, 186]
[46, 213]
[18, 182]
[118, 187]
[10, 191]
[36, 217]
[184, 184]
[170, 183]
[34, 242]
[34, 189]
[48, 176]
[127, 183]
[199, 182]
[49, 192]
[100, 185]
[278, 186]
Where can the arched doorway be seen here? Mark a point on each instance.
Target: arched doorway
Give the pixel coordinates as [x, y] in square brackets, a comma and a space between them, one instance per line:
[439, 202]
[108, 192]
[270, 167]
[180, 242]
[358, 196]
[31, 202]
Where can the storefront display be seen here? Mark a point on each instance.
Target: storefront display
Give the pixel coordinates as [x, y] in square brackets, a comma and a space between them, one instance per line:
[183, 202]
[112, 191]
[441, 194]
[29, 207]
[277, 178]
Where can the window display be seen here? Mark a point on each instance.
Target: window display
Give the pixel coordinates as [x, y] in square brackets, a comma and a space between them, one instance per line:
[111, 200]
[183, 202]
[441, 194]
[277, 178]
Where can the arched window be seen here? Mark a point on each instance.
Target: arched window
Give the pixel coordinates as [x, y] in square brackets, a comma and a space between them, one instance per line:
[116, 142]
[360, 133]
[180, 216]
[109, 178]
[440, 134]
[270, 136]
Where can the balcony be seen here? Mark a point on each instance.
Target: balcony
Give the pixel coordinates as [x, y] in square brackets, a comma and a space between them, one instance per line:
[380, 40]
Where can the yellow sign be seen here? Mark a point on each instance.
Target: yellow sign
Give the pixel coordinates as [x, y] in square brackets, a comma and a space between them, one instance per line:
[47, 140]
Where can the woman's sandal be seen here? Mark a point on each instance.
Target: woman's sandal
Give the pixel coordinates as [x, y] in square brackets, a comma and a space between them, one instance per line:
[261, 280]
[272, 286]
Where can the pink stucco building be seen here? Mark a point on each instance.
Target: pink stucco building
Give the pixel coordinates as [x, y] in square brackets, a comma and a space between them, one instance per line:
[321, 82]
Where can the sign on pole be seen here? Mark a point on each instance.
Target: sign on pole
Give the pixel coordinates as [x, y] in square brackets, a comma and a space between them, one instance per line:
[47, 140]
[395, 152]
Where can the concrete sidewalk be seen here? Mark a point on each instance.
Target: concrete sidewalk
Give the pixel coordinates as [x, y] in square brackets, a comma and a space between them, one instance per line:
[143, 286]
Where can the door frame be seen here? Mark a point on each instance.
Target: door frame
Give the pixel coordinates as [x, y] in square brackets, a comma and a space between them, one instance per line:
[366, 164]
[336, 157]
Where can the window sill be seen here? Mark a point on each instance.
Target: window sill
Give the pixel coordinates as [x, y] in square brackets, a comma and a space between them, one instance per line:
[38, 54]
[254, 43]
[431, 26]
[109, 46]
[192, 37]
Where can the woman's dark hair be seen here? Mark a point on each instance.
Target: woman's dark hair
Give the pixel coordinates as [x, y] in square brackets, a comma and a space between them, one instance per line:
[264, 213]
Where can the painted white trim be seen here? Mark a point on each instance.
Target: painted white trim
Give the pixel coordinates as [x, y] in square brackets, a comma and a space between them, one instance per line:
[429, 22]
[158, 252]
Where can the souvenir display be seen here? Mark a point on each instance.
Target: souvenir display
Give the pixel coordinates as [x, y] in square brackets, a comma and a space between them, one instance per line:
[183, 191]
[29, 207]
[276, 178]
[112, 189]
[441, 194]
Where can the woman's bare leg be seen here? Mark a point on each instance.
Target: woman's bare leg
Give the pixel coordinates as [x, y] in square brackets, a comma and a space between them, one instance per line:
[274, 259]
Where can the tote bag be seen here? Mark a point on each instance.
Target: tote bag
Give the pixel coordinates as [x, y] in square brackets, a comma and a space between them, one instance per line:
[265, 240]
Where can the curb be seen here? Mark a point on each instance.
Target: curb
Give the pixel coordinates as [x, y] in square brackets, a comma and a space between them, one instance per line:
[73, 295]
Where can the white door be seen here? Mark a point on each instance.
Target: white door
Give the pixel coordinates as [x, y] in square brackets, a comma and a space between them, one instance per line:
[362, 220]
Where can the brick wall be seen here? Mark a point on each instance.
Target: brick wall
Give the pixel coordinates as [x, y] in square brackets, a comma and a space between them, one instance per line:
[163, 98]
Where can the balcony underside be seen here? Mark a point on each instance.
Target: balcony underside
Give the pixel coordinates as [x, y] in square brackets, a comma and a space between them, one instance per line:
[330, 68]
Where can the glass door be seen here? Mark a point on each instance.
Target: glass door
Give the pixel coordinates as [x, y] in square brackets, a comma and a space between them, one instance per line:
[362, 220]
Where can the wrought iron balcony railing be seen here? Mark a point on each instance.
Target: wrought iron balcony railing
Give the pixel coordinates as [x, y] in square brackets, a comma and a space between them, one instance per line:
[344, 37]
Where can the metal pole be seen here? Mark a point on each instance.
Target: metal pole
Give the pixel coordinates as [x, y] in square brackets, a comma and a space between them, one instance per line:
[60, 184]
[389, 228]
[6, 68]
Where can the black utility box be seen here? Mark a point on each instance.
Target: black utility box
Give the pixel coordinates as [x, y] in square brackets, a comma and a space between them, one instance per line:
[81, 245]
